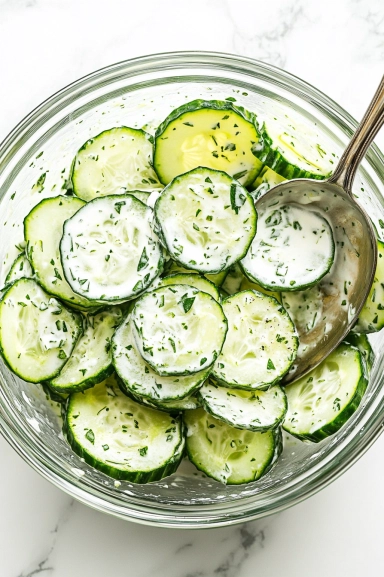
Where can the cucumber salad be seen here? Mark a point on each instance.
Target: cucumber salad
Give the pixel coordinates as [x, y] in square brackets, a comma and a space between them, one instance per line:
[162, 309]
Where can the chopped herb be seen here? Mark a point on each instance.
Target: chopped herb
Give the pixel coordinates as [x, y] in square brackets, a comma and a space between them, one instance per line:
[90, 436]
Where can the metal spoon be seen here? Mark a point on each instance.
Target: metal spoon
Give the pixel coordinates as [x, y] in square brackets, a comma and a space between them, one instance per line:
[354, 236]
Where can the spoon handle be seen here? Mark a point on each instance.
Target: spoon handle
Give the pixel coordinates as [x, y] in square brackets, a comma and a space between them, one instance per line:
[370, 125]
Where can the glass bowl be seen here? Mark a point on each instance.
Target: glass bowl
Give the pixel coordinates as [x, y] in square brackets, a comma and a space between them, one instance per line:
[140, 93]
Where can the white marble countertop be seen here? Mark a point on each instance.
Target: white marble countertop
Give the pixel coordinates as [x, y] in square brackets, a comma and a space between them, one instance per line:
[339, 47]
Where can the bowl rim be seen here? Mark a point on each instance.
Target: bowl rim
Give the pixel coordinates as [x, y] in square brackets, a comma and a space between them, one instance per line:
[192, 516]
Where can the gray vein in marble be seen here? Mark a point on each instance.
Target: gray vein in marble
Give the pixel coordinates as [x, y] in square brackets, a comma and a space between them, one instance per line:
[268, 43]
[43, 565]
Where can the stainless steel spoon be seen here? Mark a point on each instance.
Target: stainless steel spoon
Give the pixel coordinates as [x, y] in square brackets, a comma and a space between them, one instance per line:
[354, 236]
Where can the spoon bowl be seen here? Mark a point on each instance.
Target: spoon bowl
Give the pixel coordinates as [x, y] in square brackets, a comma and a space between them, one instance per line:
[343, 291]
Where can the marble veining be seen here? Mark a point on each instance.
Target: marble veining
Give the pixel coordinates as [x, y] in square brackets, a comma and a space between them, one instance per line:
[339, 47]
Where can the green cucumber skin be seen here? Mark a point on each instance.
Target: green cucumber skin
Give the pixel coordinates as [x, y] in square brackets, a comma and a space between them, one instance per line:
[148, 402]
[332, 428]
[86, 384]
[159, 232]
[253, 428]
[132, 477]
[360, 341]
[97, 304]
[278, 438]
[75, 315]
[210, 104]
[52, 394]
[275, 160]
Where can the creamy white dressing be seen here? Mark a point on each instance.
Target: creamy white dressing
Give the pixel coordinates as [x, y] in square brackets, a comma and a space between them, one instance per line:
[293, 247]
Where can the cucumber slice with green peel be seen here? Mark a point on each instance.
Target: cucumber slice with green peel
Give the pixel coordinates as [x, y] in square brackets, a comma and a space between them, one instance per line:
[247, 284]
[114, 162]
[217, 279]
[229, 455]
[173, 406]
[217, 134]
[91, 359]
[43, 229]
[361, 342]
[54, 395]
[371, 318]
[178, 329]
[294, 150]
[292, 250]
[233, 280]
[192, 279]
[141, 195]
[140, 380]
[322, 401]
[121, 437]
[44, 332]
[109, 251]
[261, 343]
[251, 410]
[21, 268]
[207, 220]
[266, 180]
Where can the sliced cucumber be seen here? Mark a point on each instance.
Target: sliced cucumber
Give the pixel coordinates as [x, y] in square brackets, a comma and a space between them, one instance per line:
[371, 318]
[246, 284]
[233, 280]
[251, 410]
[217, 134]
[217, 279]
[231, 456]
[139, 379]
[207, 220]
[43, 229]
[109, 250]
[54, 395]
[91, 360]
[114, 162]
[361, 342]
[141, 195]
[173, 406]
[321, 402]
[292, 250]
[266, 180]
[261, 343]
[21, 268]
[37, 333]
[294, 150]
[178, 330]
[123, 438]
[195, 280]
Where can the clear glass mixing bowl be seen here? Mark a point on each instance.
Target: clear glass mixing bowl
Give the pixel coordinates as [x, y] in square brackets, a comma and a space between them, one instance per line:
[140, 93]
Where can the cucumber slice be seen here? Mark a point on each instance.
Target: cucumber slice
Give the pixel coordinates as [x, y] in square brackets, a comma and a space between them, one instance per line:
[109, 251]
[233, 280]
[122, 438]
[114, 162]
[54, 395]
[361, 342]
[43, 229]
[251, 410]
[217, 134]
[292, 250]
[231, 456]
[294, 150]
[178, 330]
[91, 360]
[44, 331]
[246, 284]
[140, 379]
[173, 406]
[261, 343]
[21, 268]
[141, 195]
[321, 402]
[192, 279]
[266, 180]
[371, 318]
[217, 279]
[207, 220]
